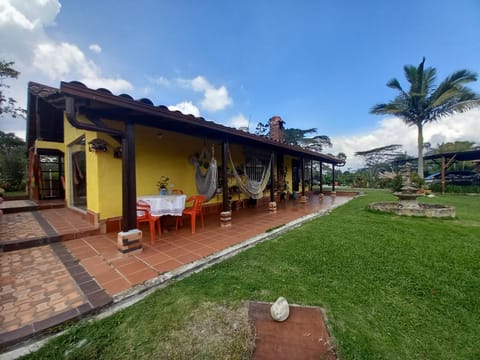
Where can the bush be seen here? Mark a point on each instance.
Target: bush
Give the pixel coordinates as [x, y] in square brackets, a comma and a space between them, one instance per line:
[12, 171]
[455, 189]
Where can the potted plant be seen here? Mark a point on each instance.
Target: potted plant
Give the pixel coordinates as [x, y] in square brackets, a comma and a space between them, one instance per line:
[162, 184]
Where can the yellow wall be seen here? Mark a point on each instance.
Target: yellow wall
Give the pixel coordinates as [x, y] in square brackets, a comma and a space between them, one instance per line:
[40, 144]
[104, 173]
[168, 155]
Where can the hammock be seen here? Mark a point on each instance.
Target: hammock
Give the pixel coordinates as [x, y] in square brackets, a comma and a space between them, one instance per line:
[206, 183]
[254, 188]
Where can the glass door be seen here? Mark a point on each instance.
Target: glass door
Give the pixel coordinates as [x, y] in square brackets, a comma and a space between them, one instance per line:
[51, 175]
[78, 174]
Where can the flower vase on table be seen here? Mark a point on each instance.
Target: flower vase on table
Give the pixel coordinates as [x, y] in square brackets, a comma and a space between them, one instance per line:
[162, 185]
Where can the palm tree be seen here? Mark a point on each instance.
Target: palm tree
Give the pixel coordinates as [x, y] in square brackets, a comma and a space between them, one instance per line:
[424, 103]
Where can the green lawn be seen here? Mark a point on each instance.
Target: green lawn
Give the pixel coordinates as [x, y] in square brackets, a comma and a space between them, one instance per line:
[392, 287]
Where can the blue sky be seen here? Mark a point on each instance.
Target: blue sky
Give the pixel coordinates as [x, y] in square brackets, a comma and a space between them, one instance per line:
[317, 64]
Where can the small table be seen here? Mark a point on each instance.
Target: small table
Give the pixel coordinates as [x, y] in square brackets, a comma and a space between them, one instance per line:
[161, 205]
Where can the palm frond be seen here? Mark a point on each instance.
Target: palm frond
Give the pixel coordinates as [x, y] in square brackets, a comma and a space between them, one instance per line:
[395, 84]
[411, 74]
[461, 77]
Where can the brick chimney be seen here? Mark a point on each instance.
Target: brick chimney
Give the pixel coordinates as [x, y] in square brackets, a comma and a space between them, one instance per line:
[276, 128]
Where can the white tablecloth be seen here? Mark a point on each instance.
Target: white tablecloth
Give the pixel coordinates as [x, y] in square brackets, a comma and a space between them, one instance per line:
[165, 204]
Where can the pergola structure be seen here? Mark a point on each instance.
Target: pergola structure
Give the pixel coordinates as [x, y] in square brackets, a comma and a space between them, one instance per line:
[448, 158]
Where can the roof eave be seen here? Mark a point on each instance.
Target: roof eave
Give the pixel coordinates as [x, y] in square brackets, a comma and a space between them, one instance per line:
[78, 90]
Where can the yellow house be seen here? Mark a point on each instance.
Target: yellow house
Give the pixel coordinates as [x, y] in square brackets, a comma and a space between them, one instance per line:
[99, 152]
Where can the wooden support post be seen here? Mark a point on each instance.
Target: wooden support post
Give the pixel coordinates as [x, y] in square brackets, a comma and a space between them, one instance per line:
[442, 172]
[334, 192]
[311, 175]
[129, 188]
[272, 179]
[225, 202]
[321, 177]
[302, 164]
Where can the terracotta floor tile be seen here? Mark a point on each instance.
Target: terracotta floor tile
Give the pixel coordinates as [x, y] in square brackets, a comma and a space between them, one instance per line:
[107, 276]
[192, 246]
[204, 251]
[167, 266]
[218, 245]
[186, 258]
[163, 246]
[84, 252]
[120, 262]
[93, 260]
[156, 258]
[110, 254]
[141, 276]
[131, 268]
[172, 251]
[116, 286]
[95, 267]
[71, 245]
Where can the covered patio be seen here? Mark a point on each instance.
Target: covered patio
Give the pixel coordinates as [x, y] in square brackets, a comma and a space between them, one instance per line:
[150, 142]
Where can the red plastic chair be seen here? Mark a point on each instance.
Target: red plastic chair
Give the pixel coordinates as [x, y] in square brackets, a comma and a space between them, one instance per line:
[144, 216]
[193, 211]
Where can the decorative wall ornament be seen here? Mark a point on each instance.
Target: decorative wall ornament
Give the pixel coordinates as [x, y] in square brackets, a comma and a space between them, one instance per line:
[97, 145]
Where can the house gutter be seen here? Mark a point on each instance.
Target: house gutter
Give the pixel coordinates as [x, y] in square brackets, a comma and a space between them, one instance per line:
[71, 114]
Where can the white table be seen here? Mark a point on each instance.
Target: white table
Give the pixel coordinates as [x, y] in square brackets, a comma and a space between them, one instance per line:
[161, 205]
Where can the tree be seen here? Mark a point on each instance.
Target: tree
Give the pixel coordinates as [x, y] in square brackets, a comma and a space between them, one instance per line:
[378, 159]
[424, 102]
[12, 162]
[12, 148]
[8, 105]
[299, 137]
[457, 146]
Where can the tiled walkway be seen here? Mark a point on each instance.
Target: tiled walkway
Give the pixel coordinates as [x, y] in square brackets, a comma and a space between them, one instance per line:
[49, 284]
[30, 292]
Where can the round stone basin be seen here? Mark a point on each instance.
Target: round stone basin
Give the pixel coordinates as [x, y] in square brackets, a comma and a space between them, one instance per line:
[412, 208]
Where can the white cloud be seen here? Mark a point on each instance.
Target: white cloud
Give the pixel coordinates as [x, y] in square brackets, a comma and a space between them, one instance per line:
[239, 121]
[461, 127]
[59, 61]
[28, 15]
[200, 84]
[97, 49]
[186, 107]
[67, 62]
[214, 99]
[38, 57]
[161, 81]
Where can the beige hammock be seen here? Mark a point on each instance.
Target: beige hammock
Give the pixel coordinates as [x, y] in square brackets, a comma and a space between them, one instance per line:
[254, 188]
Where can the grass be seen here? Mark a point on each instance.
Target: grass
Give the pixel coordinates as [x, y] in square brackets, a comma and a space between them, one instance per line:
[392, 287]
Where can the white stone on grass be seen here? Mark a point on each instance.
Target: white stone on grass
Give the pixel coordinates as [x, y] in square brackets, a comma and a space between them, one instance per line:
[280, 309]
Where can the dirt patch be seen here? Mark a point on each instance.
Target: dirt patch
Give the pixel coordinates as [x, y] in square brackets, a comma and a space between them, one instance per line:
[302, 336]
[212, 331]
